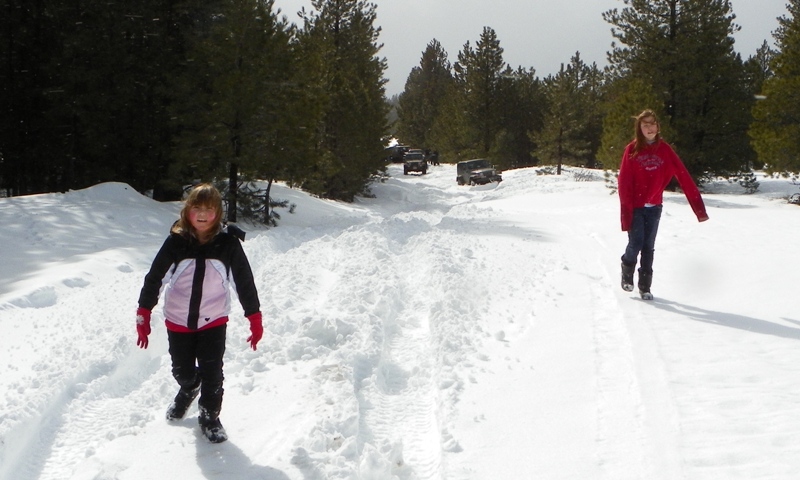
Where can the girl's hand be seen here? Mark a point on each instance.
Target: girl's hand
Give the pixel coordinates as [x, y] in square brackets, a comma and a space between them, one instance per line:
[142, 327]
[256, 329]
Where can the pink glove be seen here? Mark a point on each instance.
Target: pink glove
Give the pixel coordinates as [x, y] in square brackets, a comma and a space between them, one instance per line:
[256, 329]
[142, 326]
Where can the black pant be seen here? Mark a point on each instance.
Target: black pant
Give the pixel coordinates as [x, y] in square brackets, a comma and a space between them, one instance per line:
[200, 354]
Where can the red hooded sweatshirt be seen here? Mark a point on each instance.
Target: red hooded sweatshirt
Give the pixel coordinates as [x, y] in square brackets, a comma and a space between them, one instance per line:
[644, 176]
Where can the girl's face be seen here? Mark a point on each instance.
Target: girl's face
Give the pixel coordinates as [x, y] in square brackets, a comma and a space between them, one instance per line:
[202, 218]
[649, 128]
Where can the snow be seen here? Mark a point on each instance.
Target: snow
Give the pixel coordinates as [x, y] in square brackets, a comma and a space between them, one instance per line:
[431, 332]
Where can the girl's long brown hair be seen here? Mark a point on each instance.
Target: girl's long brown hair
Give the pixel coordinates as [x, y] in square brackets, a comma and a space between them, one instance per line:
[640, 141]
[204, 195]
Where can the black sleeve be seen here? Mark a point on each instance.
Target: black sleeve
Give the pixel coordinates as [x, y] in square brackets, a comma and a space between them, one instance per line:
[243, 279]
[148, 298]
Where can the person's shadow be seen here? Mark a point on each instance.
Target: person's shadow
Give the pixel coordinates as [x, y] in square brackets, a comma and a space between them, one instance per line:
[226, 461]
[731, 320]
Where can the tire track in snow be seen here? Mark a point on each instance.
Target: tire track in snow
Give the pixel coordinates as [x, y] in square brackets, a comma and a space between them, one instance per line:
[619, 431]
[74, 411]
[399, 276]
[69, 426]
[619, 403]
[401, 406]
[101, 411]
[635, 402]
[430, 335]
[376, 404]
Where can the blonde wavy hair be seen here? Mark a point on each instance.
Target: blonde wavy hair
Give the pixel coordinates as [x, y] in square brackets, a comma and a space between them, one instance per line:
[203, 195]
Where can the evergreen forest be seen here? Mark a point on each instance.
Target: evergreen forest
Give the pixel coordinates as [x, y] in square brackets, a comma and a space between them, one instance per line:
[163, 94]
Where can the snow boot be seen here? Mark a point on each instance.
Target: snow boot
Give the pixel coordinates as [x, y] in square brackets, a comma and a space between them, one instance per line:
[627, 277]
[645, 280]
[211, 426]
[183, 400]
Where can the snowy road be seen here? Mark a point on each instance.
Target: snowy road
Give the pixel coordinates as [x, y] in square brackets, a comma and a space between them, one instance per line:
[433, 332]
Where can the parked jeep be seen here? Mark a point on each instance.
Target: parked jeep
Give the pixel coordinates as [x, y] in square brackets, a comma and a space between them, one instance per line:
[476, 172]
[414, 161]
[394, 154]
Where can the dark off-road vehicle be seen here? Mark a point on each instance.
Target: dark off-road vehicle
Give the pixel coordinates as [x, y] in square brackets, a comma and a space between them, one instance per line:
[395, 153]
[476, 172]
[414, 161]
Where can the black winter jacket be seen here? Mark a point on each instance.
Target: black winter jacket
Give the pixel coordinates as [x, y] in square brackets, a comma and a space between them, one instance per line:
[197, 280]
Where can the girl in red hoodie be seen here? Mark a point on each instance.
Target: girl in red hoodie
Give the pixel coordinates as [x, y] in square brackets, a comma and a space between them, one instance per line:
[648, 165]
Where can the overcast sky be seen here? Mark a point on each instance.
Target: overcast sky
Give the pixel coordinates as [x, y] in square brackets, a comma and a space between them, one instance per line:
[541, 34]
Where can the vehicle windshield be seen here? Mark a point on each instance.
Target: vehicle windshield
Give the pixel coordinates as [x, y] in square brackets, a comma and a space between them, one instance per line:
[476, 164]
[414, 156]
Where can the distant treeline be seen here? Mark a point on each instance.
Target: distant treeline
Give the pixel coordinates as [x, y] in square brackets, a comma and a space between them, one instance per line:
[723, 114]
[163, 93]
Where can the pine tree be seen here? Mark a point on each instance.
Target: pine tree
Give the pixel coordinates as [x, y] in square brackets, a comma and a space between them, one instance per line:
[421, 101]
[29, 41]
[233, 97]
[478, 73]
[626, 98]
[452, 132]
[684, 48]
[118, 61]
[758, 68]
[776, 127]
[521, 100]
[339, 44]
[571, 133]
[88, 79]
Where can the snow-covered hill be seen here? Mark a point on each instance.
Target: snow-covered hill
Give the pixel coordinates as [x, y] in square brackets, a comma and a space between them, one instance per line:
[431, 332]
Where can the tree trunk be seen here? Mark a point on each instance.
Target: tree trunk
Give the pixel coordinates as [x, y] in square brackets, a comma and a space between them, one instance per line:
[267, 211]
[233, 187]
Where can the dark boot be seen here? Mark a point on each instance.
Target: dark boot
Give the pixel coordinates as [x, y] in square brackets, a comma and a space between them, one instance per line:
[183, 400]
[211, 426]
[627, 277]
[645, 280]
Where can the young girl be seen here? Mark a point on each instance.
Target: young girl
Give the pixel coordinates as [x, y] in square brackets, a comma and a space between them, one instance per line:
[648, 165]
[198, 264]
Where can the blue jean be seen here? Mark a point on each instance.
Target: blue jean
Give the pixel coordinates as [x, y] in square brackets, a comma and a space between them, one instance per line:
[642, 237]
